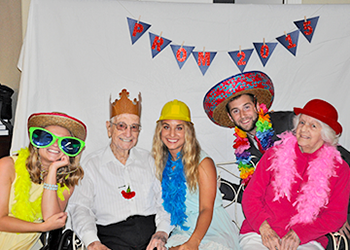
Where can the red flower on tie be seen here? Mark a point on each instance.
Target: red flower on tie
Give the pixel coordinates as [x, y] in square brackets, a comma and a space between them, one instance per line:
[128, 194]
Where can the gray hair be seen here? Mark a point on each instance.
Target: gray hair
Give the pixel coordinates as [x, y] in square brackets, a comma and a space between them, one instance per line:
[327, 133]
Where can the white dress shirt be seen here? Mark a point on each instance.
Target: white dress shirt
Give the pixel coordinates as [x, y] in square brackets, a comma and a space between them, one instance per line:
[98, 198]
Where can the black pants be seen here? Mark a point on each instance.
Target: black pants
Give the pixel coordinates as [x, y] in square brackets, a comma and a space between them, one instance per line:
[132, 234]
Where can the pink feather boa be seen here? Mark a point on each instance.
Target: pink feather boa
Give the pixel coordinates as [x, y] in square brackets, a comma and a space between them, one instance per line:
[313, 194]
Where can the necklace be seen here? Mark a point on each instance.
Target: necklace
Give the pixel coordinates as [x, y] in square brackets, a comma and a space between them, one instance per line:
[314, 193]
[264, 133]
[174, 191]
[23, 208]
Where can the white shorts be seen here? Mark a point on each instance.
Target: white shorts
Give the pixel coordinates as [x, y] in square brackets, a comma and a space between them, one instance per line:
[252, 241]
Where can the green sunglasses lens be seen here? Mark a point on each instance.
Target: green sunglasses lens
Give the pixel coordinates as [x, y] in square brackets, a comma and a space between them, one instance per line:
[42, 138]
[71, 146]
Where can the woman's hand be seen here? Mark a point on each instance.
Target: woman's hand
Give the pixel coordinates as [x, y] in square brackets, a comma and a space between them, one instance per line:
[190, 245]
[64, 161]
[54, 222]
[50, 203]
[290, 241]
[269, 237]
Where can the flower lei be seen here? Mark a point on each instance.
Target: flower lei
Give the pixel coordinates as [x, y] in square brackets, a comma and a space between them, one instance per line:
[264, 133]
[174, 191]
[23, 208]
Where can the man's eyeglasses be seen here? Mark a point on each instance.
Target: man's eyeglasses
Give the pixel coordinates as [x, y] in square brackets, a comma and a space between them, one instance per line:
[122, 126]
[42, 138]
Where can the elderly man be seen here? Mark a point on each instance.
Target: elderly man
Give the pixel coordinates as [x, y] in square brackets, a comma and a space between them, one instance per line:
[118, 204]
[241, 102]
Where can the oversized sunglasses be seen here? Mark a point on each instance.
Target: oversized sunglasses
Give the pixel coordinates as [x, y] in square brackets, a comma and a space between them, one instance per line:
[42, 138]
[122, 126]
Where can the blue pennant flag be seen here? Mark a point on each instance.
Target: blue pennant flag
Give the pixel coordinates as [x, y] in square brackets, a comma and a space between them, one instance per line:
[204, 59]
[157, 43]
[290, 41]
[241, 58]
[307, 27]
[181, 53]
[137, 29]
[264, 51]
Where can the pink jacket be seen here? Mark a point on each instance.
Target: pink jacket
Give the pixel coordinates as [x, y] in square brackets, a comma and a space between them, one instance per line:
[258, 204]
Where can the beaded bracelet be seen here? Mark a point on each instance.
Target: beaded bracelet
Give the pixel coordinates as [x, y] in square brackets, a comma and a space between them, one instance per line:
[50, 186]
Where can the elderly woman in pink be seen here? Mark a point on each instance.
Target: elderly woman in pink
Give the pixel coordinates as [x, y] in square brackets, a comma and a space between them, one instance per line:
[300, 189]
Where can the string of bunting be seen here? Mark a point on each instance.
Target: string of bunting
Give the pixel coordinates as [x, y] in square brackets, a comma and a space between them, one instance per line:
[240, 57]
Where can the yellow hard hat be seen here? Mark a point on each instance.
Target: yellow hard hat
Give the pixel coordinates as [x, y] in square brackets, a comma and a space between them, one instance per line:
[175, 110]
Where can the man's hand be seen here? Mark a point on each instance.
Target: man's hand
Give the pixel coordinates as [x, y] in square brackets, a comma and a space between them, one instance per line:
[345, 230]
[269, 237]
[96, 245]
[158, 241]
[290, 241]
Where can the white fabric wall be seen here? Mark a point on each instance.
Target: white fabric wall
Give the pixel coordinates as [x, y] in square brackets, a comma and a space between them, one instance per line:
[78, 52]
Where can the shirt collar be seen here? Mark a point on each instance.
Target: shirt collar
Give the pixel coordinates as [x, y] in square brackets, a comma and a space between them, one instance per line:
[108, 156]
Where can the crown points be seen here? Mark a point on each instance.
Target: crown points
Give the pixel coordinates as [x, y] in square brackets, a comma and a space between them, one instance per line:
[125, 106]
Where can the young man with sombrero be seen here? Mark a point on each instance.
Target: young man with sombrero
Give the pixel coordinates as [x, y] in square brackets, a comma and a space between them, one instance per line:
[242, 102]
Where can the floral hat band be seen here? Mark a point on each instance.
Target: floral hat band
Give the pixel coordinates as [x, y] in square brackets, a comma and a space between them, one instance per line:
[255, 82]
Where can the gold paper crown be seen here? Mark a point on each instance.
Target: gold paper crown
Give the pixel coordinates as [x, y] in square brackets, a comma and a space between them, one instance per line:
[124, 105]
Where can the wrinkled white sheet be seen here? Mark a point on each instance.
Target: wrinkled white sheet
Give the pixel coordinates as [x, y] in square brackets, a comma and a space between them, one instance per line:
[78, 52]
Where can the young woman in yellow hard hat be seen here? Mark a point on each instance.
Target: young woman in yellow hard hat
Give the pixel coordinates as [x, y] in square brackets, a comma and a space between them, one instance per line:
[189, 184]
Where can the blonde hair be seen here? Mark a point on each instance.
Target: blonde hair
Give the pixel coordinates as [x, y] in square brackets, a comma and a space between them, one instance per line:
[71, 179]
[190, 154]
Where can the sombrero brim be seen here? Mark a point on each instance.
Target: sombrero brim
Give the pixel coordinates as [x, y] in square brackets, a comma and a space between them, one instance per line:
[216, 99]
[75, 126]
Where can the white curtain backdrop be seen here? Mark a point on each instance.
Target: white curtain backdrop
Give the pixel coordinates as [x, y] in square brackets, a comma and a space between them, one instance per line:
[78, 52]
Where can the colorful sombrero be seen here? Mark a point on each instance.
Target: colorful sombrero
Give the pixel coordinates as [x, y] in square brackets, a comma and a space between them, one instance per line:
[254, 82]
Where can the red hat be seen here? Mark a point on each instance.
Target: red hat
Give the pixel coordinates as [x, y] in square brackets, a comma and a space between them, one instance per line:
[322, 111]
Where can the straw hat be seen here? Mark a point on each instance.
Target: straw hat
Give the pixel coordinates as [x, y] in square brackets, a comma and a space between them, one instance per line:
[323, 111]
[75, 126]
[254, 82]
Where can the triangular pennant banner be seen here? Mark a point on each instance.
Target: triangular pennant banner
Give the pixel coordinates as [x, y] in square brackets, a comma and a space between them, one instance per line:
[181, 53]
[137, 29]
[307, 27]
[157, 43]
[290, 41]
[264, 51]
[241, 58]
[204, 59]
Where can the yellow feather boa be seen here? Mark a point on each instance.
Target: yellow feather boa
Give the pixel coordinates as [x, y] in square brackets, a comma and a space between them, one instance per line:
[23, 208]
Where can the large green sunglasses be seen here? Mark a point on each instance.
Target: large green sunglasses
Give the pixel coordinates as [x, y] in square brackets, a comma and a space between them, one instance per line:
[42, 138]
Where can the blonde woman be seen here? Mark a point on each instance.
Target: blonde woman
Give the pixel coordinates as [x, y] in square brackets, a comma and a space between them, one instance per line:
[189, 186]
[36, 184]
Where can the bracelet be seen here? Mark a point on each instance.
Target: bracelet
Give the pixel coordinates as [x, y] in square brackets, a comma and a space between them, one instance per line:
[50, 186]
